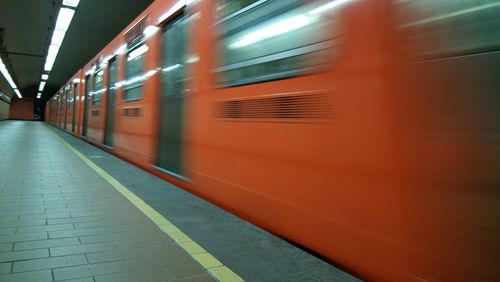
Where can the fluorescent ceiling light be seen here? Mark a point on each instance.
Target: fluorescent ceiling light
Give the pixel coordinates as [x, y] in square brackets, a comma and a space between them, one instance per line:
[45, 76]
[177, 6]
[42, 86]
[18, 93]
[62, 23]
[6, 74]
[58, 37]
[137, 52]
[64, 19]
[76, 80]
[51, 57]
[71, 3]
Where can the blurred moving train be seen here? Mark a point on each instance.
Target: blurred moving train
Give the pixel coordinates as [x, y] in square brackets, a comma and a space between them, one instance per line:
[367, 131]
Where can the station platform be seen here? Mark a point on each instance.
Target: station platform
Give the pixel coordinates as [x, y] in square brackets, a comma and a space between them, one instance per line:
[72, 212]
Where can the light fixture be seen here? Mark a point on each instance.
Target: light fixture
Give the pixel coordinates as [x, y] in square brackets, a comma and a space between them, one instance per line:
[42, 86]
[18, 93]
[58, 37]
[6, 74]
[45, 76]
[64, 19]
[71, 3]
[62, 24]
[177, 7]
[137, 52]
[76, 80]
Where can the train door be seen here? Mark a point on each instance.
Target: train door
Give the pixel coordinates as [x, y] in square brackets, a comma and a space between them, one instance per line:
[173, 75]
[65, 105]
[86, 106]
[75, 95]
[110, 105]
[59, 107]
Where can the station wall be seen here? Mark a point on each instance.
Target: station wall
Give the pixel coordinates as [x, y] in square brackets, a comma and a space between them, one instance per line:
[22, 109]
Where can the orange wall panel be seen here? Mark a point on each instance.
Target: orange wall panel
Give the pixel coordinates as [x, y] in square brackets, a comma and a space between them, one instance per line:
[22, 109]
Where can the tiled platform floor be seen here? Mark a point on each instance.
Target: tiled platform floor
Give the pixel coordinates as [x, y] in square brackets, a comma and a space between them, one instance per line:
[60, 220]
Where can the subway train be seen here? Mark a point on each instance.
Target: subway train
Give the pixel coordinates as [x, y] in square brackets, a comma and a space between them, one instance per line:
[365, 131]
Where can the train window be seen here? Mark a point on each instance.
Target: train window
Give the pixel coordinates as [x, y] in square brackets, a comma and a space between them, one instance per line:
[134, 77]
[272, 39]
[63, 105]
[98, 89]
[449, 27]
[227, 8]
[69, 94]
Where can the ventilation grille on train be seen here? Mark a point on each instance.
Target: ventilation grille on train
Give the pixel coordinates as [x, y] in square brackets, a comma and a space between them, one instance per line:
[132, 112]
[135, 34]
[94, 113]
[289, 107]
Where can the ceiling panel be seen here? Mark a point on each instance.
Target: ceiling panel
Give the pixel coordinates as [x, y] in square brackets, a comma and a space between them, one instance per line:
[28, 25]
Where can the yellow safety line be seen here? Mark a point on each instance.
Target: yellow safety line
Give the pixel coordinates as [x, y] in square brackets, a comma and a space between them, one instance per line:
[209, 262]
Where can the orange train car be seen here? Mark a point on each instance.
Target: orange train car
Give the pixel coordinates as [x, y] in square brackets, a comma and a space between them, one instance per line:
[364, 130]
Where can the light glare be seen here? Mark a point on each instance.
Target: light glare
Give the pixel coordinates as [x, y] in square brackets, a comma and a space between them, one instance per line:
[177, 6]
[272, 30]
[137, 52]
[285, 25]
[122, 49]
[150, 30]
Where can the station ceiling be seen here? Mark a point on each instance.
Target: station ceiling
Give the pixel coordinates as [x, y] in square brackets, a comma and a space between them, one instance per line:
[25, 32]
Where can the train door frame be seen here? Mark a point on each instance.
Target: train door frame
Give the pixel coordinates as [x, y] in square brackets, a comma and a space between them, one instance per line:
[170, 151]
[109, 125]
[74, 95]
[65, 112]
[85, 122]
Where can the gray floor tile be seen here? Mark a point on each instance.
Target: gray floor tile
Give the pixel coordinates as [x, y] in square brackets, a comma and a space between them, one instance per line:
[46, 243]
[39, 276]
[5, 267]
[23, 255]
[48, 263]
